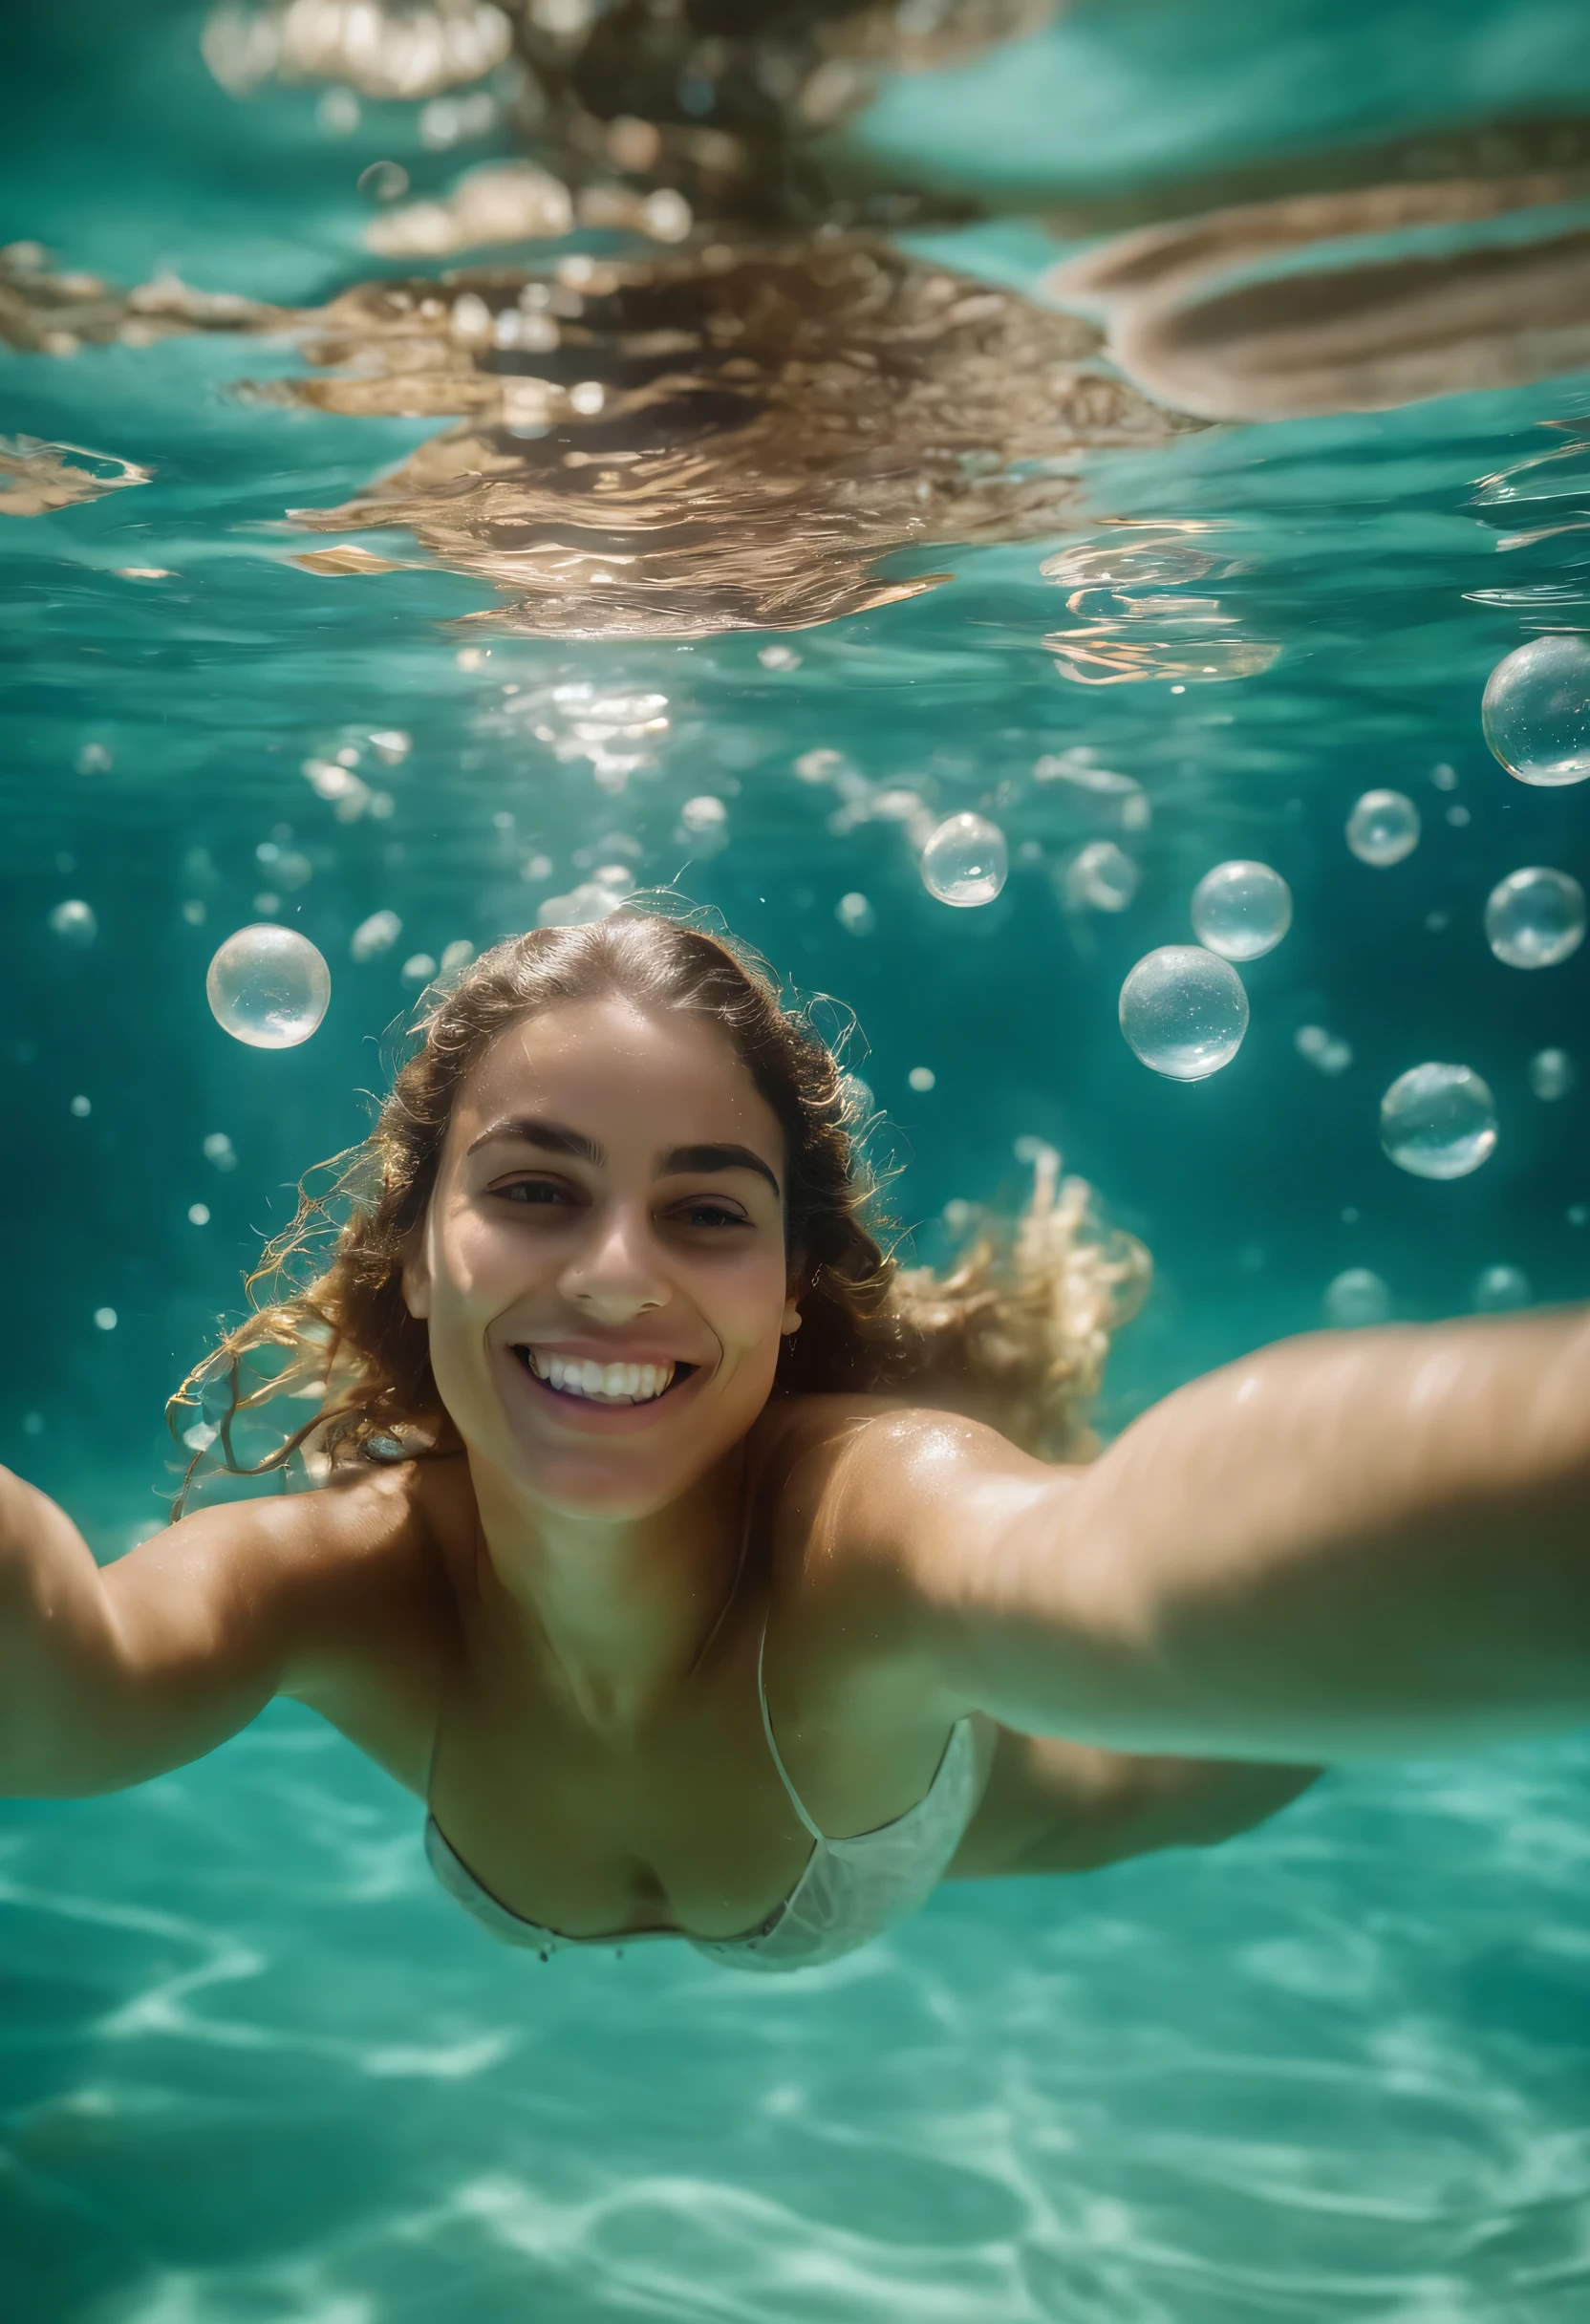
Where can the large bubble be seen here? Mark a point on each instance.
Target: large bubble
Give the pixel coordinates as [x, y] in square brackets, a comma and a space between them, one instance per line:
[1534, 918]
[1356, 1298]
[1536, 710]
[1382, 827]
[1241, 910]
[1184, 1012]
[965, 861]
[1438, 1121]
[269, 986]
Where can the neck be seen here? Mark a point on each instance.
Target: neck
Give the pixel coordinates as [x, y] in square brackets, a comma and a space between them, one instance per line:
[615, 1612]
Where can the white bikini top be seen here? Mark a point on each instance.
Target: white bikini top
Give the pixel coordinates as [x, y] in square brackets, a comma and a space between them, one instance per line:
[851, 1891]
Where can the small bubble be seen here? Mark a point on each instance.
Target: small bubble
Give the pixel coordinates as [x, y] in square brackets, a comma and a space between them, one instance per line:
[218, 1150]
[94, 759]
[1499, 1289]
[1349, 1215]
[1534, 919]
[1356, 1298]
[104, 1319]
[779, 658]
[1536, 710]
[267, 987]
[1241, 910]
[32, 1424]
[82, 1108]
[1438, 1121]
[1099, 877]
[74, 920]
[966, 861]
[1552, 1074]
[194, 911]
[1184, 1012]
[338, 112]
[587, 397]
[854, 912]
[1578, 1213]
[198, 1214]
[921, 1077]
[1444, 777]
[418, 969]
[383, 181]
[1382, 827]
[200, 1437]
[1458, 817]
[376, 934]
[1323, 1050]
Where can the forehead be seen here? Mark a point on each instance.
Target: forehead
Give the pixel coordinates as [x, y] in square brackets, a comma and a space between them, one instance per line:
[648, 1077]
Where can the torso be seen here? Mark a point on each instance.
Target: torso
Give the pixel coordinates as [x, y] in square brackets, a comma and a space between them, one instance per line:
[680, 1824]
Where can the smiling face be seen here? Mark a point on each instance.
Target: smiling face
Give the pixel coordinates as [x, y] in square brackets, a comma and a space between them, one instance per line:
[602, 1264]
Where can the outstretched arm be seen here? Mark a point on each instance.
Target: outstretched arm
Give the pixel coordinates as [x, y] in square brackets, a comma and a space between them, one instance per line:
[1346, 1546]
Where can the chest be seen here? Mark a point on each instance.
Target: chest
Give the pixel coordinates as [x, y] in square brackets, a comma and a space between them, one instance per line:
[682, 1823]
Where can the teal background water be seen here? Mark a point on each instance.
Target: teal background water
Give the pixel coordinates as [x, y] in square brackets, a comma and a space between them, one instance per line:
[253, 2067]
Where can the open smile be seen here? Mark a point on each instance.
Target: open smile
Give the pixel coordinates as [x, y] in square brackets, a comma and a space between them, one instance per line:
[583, 1380]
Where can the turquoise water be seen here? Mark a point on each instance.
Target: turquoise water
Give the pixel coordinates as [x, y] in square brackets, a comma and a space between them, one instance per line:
[253, 2067]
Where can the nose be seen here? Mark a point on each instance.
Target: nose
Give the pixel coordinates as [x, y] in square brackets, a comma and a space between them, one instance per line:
[614, 1277]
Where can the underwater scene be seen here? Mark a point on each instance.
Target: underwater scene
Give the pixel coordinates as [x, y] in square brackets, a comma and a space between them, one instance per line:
[1067, 528]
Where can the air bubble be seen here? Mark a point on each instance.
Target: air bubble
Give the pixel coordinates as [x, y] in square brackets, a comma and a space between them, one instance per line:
[74, 920]
[1382, 827]
[1552, 1074]
[376, 934]
[1184, 1012]
[1438, 1121]
[1241, 910]
[966, 860]
[269, 987]
[1356, 1298]
[1536, 710]
[1499, 1289]
[1534, 919]
[1099, 877]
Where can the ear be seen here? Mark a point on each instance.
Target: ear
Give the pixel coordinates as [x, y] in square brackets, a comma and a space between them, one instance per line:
[417, 1280]
[795, 1288]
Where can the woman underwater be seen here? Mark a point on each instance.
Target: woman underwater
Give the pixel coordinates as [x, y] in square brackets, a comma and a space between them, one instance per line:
[657, 1554]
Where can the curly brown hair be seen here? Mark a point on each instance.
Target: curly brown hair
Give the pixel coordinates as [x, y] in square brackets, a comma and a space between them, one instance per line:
[1015, 1333]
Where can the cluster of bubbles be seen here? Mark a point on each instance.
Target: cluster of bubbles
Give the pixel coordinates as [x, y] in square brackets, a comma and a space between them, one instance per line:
[1183, 1008]
[1358, 1297]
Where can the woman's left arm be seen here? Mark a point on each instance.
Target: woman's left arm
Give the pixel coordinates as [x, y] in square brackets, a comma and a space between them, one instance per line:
[1346, 1546]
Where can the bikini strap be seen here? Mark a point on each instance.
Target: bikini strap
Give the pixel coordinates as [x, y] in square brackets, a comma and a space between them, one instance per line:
[795, 1800]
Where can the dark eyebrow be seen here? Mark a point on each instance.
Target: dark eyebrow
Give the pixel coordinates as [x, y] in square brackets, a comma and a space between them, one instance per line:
[552, 1137]
[689, 1159]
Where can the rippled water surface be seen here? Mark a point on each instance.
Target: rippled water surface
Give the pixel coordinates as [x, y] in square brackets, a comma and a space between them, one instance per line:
[842, 519]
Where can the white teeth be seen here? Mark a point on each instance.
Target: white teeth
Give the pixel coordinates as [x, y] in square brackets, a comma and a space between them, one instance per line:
[603, 1383]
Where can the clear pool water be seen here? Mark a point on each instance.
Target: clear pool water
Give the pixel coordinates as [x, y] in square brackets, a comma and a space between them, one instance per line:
[253, 2066]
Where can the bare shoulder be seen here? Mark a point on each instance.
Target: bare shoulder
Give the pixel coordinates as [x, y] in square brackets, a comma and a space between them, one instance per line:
[341, 1596]
[877, 1508]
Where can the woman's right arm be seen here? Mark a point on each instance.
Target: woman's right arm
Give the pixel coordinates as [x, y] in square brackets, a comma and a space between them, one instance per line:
[111, 1675]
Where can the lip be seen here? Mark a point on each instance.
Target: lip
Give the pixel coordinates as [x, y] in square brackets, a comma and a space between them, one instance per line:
[583, 1419]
